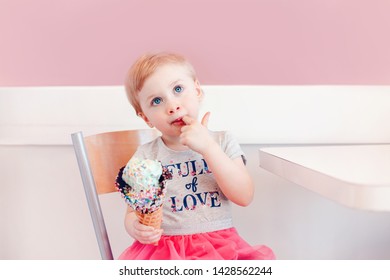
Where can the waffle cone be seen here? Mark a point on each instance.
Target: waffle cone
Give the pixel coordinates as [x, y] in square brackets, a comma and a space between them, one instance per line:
[152, 219]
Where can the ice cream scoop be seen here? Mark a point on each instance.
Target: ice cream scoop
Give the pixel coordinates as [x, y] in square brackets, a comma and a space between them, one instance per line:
[142, 184]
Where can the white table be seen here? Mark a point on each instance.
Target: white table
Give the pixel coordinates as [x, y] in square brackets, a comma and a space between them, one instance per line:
[357, 176]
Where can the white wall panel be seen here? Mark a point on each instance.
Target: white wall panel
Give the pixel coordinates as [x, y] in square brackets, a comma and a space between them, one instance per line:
[256, 114]
[43, 211]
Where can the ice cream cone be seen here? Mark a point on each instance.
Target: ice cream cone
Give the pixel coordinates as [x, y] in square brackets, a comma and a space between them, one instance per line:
[142, 183]
[151, 219]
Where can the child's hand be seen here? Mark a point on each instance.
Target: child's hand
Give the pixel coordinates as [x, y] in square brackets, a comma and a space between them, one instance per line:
[146, 234]
[195, 135]
[140, 232]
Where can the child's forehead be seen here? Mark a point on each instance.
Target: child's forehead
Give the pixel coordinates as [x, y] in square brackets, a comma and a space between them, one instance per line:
[168, 73]
[173, 68]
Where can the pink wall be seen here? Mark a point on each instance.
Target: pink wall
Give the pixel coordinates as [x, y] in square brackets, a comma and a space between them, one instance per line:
[93, 42]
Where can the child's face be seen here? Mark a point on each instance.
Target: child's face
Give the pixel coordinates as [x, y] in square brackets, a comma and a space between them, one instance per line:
[167, 95]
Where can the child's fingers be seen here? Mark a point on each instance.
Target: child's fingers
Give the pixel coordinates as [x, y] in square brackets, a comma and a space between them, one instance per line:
[156, 237]
[205, 119]
[146, 234]
[150, 236]
[140, 227]
[188, 120]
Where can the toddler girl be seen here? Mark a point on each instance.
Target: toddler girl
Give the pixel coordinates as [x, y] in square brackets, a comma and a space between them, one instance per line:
[208, 169]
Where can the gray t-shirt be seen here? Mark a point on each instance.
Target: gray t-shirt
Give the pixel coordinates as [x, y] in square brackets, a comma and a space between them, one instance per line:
[194, 203]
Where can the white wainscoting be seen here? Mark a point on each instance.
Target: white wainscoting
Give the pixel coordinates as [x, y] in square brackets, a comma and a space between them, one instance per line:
[256, 114]
[43, 210]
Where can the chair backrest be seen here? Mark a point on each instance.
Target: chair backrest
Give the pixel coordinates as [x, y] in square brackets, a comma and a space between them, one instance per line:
[100, 157]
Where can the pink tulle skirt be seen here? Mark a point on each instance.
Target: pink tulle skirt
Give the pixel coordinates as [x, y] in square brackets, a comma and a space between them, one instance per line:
[217, 245]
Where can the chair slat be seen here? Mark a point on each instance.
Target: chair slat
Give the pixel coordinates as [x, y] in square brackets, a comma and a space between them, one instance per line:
[108, 152]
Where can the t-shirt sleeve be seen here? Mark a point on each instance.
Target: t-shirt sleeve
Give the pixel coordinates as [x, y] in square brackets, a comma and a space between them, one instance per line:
[139, 153]
[231, 146]
[146, 151]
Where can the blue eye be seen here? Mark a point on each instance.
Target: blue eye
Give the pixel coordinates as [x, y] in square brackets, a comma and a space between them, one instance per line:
[178, 89]
[156, 101]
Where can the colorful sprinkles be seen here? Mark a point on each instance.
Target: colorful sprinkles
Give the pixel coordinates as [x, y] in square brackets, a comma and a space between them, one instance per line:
[146, 194]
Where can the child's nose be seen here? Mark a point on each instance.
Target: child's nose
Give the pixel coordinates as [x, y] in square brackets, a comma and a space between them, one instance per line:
[174, 109]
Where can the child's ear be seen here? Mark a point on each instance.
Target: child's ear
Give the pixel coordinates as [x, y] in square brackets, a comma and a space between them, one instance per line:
[198, 89]
[140, 114]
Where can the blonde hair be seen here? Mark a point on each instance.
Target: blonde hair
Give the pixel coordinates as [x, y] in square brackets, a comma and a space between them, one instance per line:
[144, 67]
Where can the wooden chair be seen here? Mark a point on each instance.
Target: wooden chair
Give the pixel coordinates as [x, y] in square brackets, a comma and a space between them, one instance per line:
[99, 158]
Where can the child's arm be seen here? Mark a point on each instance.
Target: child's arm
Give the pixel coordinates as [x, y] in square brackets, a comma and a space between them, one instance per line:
[231, 175]
[140, 232]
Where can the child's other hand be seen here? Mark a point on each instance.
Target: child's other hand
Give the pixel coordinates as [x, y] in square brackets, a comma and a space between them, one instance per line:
[145, 234]
[195, 135]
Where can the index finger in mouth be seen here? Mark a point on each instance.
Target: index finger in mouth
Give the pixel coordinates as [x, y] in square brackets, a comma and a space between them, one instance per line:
[187, 120]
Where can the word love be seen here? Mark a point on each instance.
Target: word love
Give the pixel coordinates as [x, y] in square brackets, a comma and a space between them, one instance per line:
[191, 201]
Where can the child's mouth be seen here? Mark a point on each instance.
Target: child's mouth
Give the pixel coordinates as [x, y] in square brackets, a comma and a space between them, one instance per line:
[179, 122]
